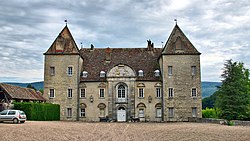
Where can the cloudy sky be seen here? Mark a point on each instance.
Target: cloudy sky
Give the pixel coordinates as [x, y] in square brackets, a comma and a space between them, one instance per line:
[219, 29]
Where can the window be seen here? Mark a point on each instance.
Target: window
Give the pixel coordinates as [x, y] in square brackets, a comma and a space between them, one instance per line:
[170, 70]
[194, 111]
[102, 74]
[82, 93]
[84, 74]
[101, 93]
[141, 93]
[140, 73]
[194, 94]
[121, 91]
[70, 71]
[12, 113]
[170, 92]
[82, 112]
[193, 68]
[69, 93]
[51, 93]
[158, 112]
[69, 112]
[52, 70]
[158, 92]
[171, 112]
[157, 73]
[141, 113]
[102, 112]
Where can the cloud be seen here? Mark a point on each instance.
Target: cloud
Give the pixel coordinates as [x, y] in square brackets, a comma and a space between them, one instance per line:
[218, 29]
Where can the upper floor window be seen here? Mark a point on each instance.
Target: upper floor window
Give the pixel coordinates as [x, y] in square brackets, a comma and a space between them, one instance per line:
[193, 69]
[141, 93]
[140, 73]
[51, 93]
[84, 74]
[170, 70]
[69, 93]
[121, 91]
[170, 92]
[194, 92]
[157, 73]
[101, 93]
[102, 74]
[82, 93]
[70, 71]
[52, 70]
[158, 92]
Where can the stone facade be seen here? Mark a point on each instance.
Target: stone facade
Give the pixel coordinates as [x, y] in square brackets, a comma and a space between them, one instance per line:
[123, 84]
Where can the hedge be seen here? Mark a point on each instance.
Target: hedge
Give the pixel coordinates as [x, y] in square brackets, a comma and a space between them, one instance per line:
[39, 111]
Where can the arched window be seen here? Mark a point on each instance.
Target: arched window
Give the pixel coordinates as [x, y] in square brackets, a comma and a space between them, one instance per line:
[121, 91]
[84, 74]
[102, 74]
[157, 73]
[140, 73]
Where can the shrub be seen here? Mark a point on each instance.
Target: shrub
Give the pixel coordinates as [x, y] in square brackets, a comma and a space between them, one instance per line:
[39, 111]
[210, 113]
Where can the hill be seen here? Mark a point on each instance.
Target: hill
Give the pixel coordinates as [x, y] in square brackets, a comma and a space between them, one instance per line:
[208, 88]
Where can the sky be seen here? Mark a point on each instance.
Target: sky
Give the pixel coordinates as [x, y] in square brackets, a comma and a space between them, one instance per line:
[219, 29]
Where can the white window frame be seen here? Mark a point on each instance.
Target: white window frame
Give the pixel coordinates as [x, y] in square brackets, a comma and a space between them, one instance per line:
[194, 111]
[158, 112]
[121, 93]
[193, 70]
[51, 95]
[157, 73]
[170, 92]
[171, 112]
[69, 93]
[194, 94]
[69, 112]
[141, 113]
[102, 93]
[140, 73]
[52, 70]
[170, 70]
[158, 92]
[82, 112]
[141, 93]
[82, 93]
[70, 71]
[102, 112]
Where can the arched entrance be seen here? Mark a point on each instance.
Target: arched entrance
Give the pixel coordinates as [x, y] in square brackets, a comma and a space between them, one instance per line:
[121, 114]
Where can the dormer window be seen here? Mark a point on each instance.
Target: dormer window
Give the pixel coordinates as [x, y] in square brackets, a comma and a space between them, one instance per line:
[102, 74]
[157, 73]
[84, 74]
[140, 73]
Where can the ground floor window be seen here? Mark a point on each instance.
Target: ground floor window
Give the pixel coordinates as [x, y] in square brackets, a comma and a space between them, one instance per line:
[82, 112]
[194, 111]
[170, 112]
[141, 113]
[158, 112]
[69, 112]
[102, 112]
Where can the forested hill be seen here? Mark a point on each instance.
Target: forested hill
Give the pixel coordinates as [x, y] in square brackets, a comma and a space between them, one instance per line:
[208, 88]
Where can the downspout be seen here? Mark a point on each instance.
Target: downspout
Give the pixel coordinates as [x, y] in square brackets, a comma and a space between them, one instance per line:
[162, 90]
[78, 95]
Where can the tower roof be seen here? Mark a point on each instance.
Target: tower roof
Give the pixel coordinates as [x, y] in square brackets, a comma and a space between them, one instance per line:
[63, 44]
[178, 44]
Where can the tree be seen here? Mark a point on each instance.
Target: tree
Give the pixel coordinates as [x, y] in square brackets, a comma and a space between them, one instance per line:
[234, 97]
[209, 102]
[30, 86]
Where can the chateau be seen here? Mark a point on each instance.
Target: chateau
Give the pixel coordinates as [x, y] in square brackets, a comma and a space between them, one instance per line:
[149, 84]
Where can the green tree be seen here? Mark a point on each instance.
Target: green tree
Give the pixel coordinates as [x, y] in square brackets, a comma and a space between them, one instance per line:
[209, 102]
[234, 97]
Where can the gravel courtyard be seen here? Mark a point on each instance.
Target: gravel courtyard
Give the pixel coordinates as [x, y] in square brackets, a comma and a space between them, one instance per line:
[59, 130]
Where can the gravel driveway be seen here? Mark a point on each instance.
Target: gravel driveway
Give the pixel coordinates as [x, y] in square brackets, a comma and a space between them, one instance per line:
[61, 130]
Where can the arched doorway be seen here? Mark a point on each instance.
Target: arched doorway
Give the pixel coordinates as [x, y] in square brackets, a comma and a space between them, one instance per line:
[121, 114]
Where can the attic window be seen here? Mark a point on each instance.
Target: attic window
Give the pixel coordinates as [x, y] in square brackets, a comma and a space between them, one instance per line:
[84, 74]
[140, 73]
[102, 74]
[157, 73]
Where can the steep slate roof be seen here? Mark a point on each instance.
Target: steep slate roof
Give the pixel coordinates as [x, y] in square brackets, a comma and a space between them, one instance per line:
[136, 58]
[178, 43]
[63, 44]
[16, 92]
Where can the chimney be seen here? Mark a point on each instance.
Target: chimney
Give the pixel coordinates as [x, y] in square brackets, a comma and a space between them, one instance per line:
[92, 47]
[150, 45]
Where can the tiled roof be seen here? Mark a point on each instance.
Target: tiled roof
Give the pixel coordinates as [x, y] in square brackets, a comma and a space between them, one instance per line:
[96, 60]
[16, 92]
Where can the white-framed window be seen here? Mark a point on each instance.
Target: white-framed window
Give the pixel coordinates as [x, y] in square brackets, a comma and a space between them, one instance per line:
[193, 69]
[194, 92]
[140, 73]
[157, 73]
[82, 112]
[158, 92]
[121, 92]
[102, 112]
[141, 93]
[170, 112]
[141, 113]
[70, 93]
[101, 93]
[158, 112]
[52, 70]
[170, 92]
[102, 74]
[82, 93]
[69, 112]
[170, 70]
[194, 111]
[51, 93]
[70, 71]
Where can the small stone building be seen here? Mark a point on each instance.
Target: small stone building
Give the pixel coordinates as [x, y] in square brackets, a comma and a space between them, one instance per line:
[149, 84]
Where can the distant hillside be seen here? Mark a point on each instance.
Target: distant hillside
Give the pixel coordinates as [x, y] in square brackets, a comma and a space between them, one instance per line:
[208, 88]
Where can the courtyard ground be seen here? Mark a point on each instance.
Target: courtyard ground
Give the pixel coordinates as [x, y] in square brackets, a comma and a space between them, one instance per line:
[61, 130]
